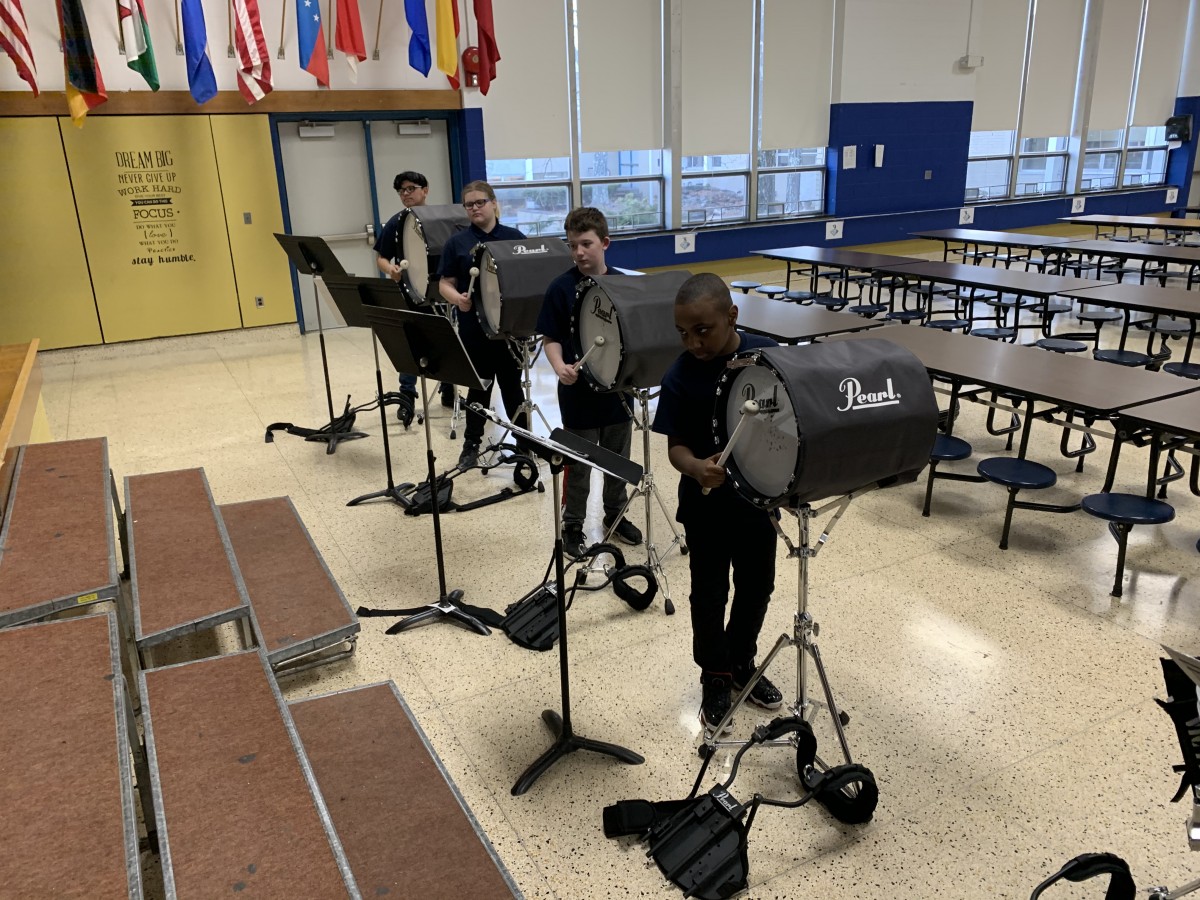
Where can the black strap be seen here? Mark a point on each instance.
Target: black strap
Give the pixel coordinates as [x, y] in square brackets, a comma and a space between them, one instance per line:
[482, 613]
[638, 816]
[1089, 865]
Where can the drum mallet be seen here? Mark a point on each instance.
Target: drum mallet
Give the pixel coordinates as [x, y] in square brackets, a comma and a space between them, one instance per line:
[471, 284]
[402, 265]
[598, 342]
[749, 409]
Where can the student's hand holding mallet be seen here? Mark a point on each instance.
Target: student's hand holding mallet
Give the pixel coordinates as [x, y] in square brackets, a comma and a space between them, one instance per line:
[749, 409]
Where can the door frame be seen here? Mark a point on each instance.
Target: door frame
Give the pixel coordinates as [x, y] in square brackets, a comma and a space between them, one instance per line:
[454, 126]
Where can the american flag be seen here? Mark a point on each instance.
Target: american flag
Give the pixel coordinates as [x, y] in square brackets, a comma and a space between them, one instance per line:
[254, 62]
[14, 40]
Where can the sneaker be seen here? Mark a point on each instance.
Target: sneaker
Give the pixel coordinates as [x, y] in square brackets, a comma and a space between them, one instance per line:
[714, 702]
[406, 408]
[469, 455]
[574, 543]
[626, 531]
[764, 695]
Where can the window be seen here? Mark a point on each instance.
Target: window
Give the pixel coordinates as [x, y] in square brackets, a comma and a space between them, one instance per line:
[1042, 166]
[534, 209]
[989, 165]
[791, 182]
[625, 185]
[1145, 156]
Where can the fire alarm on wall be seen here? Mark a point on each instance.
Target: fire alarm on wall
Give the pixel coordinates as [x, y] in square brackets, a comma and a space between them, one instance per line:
[470, 64]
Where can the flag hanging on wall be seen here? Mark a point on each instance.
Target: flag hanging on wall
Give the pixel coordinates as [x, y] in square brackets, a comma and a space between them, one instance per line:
[348, 36]
[312, 40]
[489, 53]
[15, 41]
[202, 82]
[447, 39]
[418, 45]
[85, 87]
[135, 31]
[254, 62]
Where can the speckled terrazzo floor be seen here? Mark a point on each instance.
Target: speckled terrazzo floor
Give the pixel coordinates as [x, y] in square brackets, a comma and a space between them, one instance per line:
[1003, 699]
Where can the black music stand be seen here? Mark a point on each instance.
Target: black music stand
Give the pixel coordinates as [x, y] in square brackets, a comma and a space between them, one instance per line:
[312, 255]
[556, 450]
[426, 345]
[352, 294]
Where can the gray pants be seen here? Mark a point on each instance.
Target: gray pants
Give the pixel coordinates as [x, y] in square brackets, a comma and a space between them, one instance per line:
[579, 478]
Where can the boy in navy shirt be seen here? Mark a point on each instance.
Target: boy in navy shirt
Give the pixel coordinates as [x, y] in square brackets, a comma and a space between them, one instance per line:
[491, 358]
[722, 528]
[600, 418]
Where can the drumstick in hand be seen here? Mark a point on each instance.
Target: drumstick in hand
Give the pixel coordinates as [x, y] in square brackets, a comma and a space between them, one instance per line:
[749, 408]
[598, 342]
[402, 265]
[471, 283]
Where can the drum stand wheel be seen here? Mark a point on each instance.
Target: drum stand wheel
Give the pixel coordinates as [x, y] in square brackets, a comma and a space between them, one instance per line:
[849, 802]
[647, 489]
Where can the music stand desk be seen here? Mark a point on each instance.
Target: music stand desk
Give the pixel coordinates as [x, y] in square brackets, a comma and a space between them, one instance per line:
[789, 323]
[1068, 381]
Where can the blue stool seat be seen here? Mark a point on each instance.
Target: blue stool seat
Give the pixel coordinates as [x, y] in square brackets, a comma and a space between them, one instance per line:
[744, 286]
[947, 324]
[1131, 508]
[1006, 302]
[1131, 358]
[1023, 474]
[994, 334]
[905, 315]
[799, 296]
[771, 290]
[946, 447]
[830, 301]
[1098, 315]
[1061, 345]
[868, 310]
[1182, 369]
[1054, 309]
[1123, 512]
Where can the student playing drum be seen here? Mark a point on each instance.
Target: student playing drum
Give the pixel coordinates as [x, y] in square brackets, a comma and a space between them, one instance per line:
[723, 529]
[601, 418]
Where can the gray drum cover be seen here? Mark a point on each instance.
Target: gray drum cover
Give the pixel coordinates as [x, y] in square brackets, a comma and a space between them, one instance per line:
[848, 415]
[421, 233]
[641, 342]
[513, 278]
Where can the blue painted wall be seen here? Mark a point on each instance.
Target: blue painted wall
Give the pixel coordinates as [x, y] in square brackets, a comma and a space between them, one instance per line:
[916, 137]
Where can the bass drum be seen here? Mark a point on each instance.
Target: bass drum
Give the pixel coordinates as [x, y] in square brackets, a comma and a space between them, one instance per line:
[635, 315]
[832, 418]
[423, 232]
[513, 278]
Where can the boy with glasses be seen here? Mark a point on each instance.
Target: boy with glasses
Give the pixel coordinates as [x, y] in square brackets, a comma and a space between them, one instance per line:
[413, 188]
[491, 358]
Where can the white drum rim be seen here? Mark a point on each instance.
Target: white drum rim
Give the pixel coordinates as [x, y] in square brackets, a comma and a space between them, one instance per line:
[417, 273]
[750, 487]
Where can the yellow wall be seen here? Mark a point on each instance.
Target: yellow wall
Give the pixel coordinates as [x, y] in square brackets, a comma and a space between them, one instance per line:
[47, 293]
[248, 186]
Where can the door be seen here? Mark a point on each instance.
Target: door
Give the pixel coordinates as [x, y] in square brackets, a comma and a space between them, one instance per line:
[333, 194]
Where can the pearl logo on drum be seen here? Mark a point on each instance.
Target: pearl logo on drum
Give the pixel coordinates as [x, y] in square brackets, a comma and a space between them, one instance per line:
[769, 404]
[857, 399]
[522, 250]
[600, 311]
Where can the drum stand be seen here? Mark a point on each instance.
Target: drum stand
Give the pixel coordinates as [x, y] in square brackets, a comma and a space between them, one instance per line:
[803, 638]
[525, 352]
[646, 489]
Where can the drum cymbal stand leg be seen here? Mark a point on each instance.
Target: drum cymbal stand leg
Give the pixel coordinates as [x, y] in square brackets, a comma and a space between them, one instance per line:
[524, 350]
[456, 411]
[647, 489]
[803, 637]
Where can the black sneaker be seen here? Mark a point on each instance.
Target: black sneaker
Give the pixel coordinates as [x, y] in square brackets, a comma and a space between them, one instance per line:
[626, 531]
[574, 543]
[469, 455]
[714, 702]
[406, 408]
[764, 694]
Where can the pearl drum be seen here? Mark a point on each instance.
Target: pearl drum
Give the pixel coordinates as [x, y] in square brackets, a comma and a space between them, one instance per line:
[513, 278]
[635, 315]
[422, 233]
[830, 419]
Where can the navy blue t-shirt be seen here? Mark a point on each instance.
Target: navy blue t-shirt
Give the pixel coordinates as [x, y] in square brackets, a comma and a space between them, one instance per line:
[685, 412]
[580, 405]
[387, 244]
[458, 255]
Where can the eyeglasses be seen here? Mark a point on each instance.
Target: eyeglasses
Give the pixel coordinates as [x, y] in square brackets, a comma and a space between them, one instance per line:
[475, 204]
[410, 189]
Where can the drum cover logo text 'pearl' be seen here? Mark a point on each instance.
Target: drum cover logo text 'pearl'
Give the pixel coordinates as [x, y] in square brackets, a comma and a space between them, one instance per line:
[856, 399]
[600, 311]
[765, 404]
